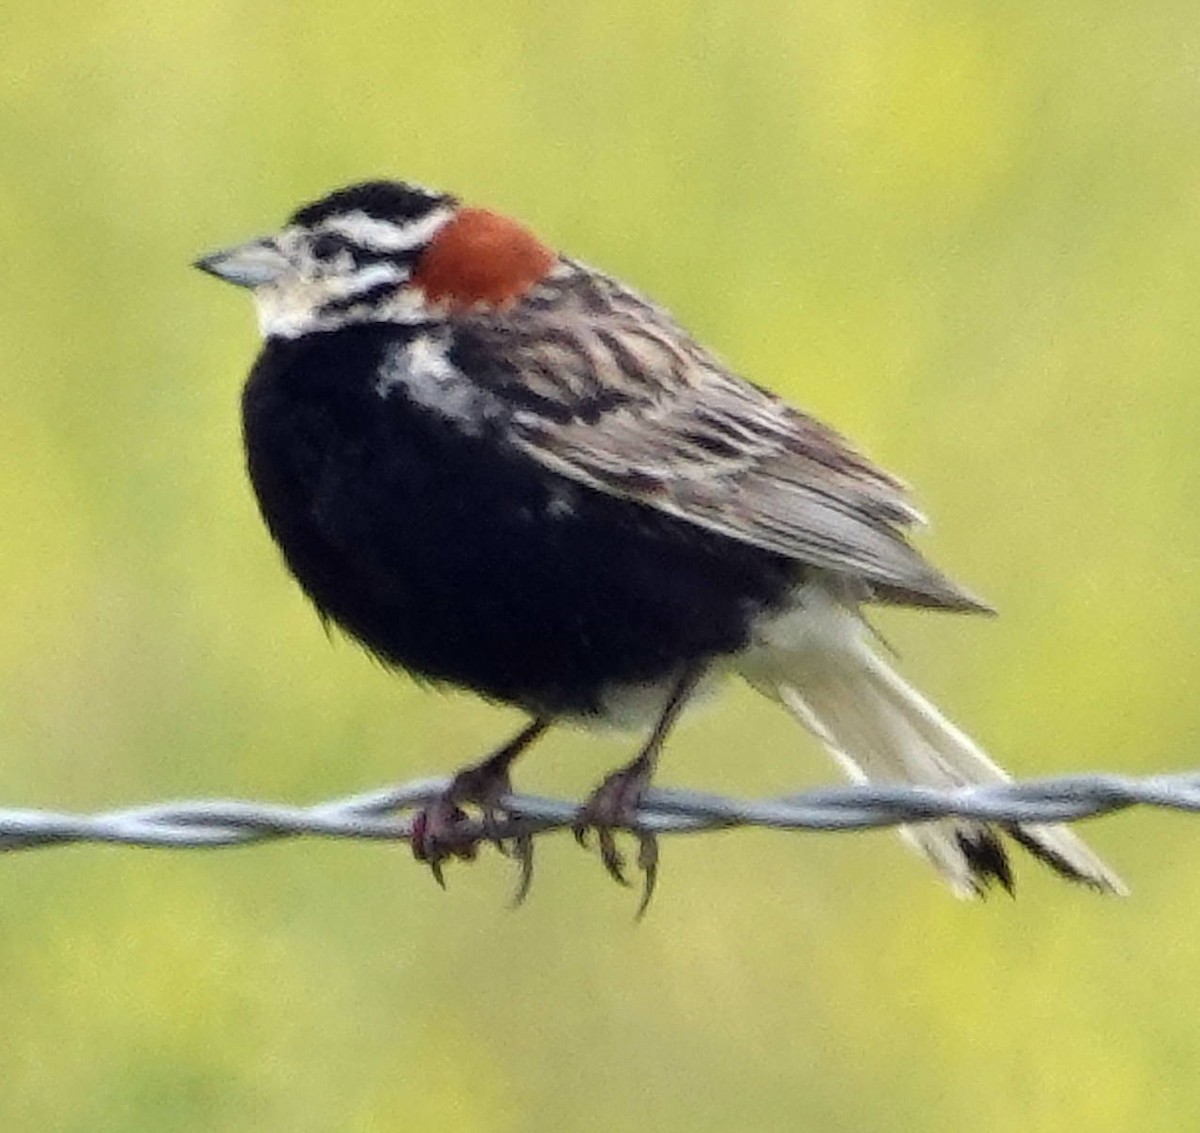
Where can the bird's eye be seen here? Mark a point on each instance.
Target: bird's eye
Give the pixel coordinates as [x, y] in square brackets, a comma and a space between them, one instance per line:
[326, 245]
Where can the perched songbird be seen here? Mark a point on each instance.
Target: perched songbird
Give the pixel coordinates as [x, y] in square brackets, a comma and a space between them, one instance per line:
[500, 469]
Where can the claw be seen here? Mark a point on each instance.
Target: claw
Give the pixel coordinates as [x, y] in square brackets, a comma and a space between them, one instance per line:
[437, 832]
[612, 807]
[434, 831]
[520, 849]
[613, 859]
[648, 864]
[436, 835]
[492, 816]
[522, 852]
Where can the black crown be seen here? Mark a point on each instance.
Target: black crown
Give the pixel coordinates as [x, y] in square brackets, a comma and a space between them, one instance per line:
[384, 200]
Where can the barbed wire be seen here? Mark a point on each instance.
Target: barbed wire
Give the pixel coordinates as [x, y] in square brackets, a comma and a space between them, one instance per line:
[387, 814]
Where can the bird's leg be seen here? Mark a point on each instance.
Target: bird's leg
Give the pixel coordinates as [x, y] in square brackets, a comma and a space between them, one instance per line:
[613, 805]
[482, 784]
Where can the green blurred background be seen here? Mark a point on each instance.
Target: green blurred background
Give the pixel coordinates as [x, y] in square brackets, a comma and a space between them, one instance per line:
[967, 233]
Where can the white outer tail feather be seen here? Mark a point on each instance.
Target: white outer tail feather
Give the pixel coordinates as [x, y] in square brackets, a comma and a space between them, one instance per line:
[816, 662]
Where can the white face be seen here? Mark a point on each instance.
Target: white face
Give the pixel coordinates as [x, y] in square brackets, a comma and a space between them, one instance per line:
[349, 268]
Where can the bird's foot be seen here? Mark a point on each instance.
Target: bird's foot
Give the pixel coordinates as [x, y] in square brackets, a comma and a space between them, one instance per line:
[438, 828]
[613, 806]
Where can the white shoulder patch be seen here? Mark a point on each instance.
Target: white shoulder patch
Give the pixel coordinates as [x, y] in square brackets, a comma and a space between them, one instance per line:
[426, 375]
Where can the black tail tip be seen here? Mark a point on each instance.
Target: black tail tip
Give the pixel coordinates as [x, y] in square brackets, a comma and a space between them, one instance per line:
[987, 860]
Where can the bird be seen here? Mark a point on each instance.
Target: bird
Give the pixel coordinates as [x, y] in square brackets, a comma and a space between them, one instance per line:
[502, 470]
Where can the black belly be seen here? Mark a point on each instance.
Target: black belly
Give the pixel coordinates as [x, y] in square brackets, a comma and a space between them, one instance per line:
[461, 561]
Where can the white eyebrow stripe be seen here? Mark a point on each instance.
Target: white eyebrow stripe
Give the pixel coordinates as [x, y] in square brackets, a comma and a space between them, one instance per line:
[374, 275]
[384, 235]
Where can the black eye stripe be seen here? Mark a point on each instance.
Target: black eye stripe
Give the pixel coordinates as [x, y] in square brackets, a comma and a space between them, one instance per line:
[405, 259]
[327, 245]
[364, 257]
[372, 295]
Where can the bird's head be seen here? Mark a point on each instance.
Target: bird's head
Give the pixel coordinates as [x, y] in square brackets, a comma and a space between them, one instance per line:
[382, 251]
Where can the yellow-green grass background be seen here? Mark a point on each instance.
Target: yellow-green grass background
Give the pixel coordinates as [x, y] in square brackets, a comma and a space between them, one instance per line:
[967, 233]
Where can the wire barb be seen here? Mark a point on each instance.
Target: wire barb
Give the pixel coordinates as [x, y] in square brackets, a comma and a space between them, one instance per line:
[387, 814]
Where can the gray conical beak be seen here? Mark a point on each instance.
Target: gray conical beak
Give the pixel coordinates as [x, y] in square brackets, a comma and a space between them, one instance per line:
[247, 265]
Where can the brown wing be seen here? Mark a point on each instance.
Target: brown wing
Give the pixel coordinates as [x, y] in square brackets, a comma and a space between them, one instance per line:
[606, 390]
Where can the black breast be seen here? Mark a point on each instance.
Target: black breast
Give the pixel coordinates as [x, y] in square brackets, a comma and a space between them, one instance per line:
[454, 557]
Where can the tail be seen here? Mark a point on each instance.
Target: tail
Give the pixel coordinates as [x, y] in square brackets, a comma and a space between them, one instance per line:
[817, 663]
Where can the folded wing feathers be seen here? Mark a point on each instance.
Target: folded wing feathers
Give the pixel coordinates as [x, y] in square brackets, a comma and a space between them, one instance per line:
[630, 405]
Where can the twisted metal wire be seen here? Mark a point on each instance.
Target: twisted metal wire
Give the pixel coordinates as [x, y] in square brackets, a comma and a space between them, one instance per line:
[388, 813]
